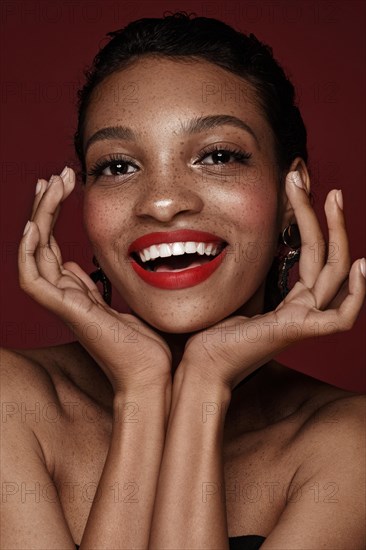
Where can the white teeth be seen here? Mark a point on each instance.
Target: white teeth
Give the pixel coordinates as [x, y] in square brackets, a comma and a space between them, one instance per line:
[154, 252]
[190, 247]
[208, 249]
[201, 249]
[165, 250]
[178, 249]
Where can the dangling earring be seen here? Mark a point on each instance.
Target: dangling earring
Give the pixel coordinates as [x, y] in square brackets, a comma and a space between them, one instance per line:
[290, 238]
[99, 275]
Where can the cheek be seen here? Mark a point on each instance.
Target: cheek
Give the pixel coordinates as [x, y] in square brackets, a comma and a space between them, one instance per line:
[252, 208]
[102, 219]
[252, 211]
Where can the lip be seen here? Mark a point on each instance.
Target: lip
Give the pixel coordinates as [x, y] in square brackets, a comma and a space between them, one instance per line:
[182, 235]
[171, 280]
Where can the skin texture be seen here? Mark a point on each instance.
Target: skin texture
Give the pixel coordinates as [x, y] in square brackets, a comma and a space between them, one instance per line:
[258, 427]
[240, 203]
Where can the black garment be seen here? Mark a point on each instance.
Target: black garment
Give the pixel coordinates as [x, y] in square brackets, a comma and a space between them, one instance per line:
[247, 542]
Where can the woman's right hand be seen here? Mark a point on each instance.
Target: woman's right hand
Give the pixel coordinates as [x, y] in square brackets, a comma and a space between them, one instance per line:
[130, 353]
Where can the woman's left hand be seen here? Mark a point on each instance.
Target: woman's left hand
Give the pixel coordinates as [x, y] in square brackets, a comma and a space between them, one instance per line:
[326, 299]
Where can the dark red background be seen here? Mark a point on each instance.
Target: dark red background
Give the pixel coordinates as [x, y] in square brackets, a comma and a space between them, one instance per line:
[46, 46]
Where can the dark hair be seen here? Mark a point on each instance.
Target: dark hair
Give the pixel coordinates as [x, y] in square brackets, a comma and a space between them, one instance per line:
[181, 37]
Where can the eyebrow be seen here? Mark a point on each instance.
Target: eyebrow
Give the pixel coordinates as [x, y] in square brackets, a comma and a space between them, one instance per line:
[194, 126]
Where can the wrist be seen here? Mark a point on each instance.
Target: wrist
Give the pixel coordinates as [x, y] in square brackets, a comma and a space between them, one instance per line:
[200, 382]
[143, 399]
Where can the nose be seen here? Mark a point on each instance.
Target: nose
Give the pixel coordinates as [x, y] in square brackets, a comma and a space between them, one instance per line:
[167, 196]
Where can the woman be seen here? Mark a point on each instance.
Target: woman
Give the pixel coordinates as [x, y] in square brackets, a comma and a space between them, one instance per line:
[173, 426]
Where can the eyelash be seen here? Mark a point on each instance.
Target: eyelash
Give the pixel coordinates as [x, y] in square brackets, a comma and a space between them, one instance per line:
[240, 156]
[97, 170]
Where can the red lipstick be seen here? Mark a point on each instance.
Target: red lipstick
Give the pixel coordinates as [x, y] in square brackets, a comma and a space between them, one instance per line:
[171, 280]
[182, 235]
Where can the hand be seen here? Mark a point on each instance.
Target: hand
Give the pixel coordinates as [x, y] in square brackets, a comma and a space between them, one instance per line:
[326, 299]
[131, 354]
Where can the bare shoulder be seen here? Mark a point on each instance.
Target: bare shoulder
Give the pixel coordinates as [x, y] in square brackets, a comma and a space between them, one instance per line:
[68, 357]
[330, 409]
[45, 388]
[29, 396]
[23, 377]
[30, 405]
[325, 502]
[332, 439]
[65, 368]
[329, 414]
[348, 408]
[326, 427]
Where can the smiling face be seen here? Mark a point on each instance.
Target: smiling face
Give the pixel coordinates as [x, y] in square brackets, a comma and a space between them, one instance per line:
[164, 175]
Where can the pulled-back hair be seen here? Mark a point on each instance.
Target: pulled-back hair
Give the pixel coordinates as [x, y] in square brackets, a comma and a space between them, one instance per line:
[183, 37]
[180, 36]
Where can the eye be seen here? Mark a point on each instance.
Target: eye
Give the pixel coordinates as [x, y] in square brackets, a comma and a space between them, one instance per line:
[112, 166]
[221, 155]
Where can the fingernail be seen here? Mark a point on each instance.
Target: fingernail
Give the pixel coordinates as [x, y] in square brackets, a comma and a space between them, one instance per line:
[52, 179]
[296, 179]
[26, 228]
[339, 199]
[38, 186]
[64, 172]
[363, 267]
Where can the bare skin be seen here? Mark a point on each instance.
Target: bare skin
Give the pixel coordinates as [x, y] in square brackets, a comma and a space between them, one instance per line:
[278, 401]
[206, 415]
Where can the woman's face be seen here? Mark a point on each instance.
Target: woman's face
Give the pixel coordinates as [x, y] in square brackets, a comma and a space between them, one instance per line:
[170, 181]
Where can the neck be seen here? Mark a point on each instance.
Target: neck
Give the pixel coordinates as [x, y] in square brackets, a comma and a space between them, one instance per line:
[177, 342]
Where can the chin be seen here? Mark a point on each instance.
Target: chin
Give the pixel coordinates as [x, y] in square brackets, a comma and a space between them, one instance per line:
[180, 322]
[178, 326]
[187, 318]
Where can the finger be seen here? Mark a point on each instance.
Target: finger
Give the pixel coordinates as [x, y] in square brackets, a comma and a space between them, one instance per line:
[340, 296]
[48, 259]
[68, 177]
[30, 279]
[88, 282]
[45, 212]
[338, 262]
[351, 305]
[312, 241]
[48, 255]
[73, 306]
[344, 317]
[40, 189]
[56, 250]
[56, 191]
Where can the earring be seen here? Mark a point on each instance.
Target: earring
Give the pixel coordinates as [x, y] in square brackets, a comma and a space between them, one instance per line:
[99, 275]
[290, 238]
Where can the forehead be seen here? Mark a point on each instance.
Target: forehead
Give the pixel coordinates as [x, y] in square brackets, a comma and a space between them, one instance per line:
[158, 93]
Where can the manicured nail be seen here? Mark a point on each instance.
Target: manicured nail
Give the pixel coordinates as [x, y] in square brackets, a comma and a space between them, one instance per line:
[296, 179]
[38, 186]
[363, 267]
[64, 172]
[26, 228]
[339, 199]
[52, 179]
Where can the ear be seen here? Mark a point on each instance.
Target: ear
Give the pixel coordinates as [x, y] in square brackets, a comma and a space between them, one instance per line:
[287, 212]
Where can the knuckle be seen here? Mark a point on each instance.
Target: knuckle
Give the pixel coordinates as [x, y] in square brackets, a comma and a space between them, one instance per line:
[24, 285]
[347, 323]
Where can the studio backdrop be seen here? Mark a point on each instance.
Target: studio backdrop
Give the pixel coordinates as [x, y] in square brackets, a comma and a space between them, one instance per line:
[45, 47]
